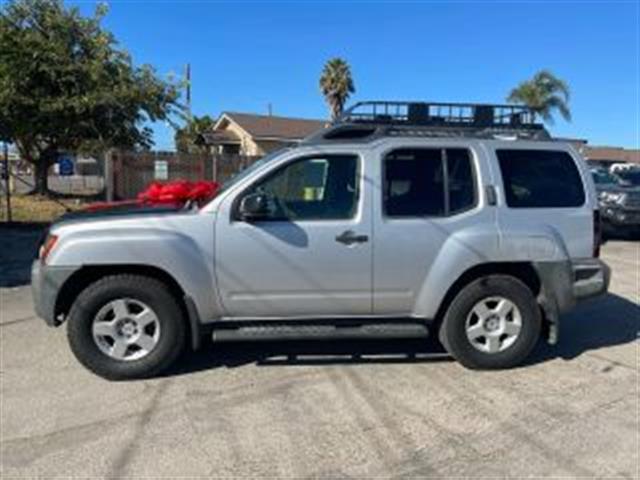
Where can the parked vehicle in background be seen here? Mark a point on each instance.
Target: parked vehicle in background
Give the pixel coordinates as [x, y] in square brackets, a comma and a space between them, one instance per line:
[401, 219]
[629, 176]
[619, 200]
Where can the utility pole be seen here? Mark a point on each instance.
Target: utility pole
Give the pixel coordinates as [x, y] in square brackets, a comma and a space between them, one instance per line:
[188, 77]
[7, 183]
[109, 186]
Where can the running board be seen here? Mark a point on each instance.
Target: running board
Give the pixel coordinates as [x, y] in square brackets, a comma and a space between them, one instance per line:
[290, 331]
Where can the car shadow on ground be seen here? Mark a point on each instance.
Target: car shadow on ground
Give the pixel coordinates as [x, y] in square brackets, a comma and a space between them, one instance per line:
[308, 352]
[599, 323]
[18, 247]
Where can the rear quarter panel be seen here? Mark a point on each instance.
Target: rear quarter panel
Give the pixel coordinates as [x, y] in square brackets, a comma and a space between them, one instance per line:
[544, 233]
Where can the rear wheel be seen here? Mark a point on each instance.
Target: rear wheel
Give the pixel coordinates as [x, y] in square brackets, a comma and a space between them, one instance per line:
[494, 322]
[125, 327]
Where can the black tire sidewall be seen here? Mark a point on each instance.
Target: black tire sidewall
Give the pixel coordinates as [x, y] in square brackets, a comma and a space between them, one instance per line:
[453, 328]
[147, 290]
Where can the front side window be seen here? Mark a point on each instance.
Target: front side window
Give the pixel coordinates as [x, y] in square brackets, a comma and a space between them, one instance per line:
[540, 179]
[428, 182]
[313, 188]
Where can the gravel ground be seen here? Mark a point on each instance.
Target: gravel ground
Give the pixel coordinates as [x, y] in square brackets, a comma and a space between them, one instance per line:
[332, 409]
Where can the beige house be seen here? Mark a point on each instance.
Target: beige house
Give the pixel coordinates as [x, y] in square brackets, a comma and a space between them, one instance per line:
[256, 135]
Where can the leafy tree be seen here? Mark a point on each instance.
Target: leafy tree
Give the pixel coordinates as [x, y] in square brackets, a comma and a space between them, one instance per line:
[544, 94]
[187, 136]
[336, 84]
[66, 85]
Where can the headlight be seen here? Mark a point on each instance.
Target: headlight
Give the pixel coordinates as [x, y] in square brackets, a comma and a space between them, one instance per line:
[612, 197]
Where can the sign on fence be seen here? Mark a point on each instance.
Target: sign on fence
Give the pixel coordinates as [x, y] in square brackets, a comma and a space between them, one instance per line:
[65, 166]
[161, 170]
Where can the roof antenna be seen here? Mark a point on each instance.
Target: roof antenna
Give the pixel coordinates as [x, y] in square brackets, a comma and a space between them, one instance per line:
[270, 109]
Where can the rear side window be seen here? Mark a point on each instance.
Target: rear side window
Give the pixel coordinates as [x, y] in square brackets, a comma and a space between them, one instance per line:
[428, 182]
[540, 179]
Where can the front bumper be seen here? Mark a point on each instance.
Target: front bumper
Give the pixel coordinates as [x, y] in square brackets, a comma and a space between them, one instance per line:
[46, 282]
[621, 217]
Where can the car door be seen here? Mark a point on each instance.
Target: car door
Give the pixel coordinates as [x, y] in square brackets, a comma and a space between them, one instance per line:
[428, 203]
[311, 255]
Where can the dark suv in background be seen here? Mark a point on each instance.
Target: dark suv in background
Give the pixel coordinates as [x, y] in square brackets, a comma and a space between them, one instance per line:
[619, 201]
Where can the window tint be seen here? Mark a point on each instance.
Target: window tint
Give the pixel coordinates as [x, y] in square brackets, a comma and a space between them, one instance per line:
[313, 188]
[428, 182]
[540, 179]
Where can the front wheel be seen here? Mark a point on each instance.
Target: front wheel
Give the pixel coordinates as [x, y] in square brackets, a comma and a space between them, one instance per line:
[494, 322]
[126, 327]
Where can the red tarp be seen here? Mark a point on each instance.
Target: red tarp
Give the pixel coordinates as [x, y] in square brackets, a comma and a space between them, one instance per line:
[175, 193]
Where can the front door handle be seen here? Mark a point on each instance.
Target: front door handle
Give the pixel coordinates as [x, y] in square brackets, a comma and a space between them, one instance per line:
[350, 237]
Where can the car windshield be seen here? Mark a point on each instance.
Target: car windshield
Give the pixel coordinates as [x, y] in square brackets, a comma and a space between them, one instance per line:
[602, 177]
[242, 174]
[631, 177]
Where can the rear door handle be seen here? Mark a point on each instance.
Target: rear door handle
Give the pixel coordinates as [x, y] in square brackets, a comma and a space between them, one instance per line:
[350, 237]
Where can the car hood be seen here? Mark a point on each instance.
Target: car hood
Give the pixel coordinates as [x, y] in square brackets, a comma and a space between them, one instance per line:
[119, 212]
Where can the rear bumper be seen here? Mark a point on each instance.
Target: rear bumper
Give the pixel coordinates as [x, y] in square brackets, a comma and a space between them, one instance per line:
[591, 278]
[565, 283]
[46, 283]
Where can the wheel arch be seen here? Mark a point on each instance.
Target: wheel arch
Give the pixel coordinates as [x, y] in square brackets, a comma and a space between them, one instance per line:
[523, 271]
[88, 274]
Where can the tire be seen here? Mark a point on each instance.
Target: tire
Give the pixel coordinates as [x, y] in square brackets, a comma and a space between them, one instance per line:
[163, 329]
[470, 337]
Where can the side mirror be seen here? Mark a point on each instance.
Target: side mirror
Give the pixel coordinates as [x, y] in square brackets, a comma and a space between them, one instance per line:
[255, 206]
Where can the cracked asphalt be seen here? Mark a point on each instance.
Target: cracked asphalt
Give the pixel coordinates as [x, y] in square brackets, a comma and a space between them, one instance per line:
[331, 409]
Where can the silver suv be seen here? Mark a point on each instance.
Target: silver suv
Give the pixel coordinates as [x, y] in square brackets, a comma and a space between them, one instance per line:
[401, 219]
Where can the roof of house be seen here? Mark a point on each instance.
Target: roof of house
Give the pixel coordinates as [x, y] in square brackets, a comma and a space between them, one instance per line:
[272, 127]
[617, 154]
[213, 137]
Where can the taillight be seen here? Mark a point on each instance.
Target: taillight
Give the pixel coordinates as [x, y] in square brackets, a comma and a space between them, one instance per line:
[46, 247]
[597, 233]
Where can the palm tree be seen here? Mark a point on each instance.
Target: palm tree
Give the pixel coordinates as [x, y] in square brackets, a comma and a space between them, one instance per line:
[186, 138]
[336, 84]
[543, 94]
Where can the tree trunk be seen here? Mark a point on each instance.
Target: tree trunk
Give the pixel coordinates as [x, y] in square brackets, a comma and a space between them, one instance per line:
[41, 172]
[41, 178]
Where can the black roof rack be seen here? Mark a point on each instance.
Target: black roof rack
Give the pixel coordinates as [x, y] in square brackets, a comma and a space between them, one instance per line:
[439, 114]
[373, 119]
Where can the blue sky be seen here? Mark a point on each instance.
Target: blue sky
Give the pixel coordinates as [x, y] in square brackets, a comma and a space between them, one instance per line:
[245, 55]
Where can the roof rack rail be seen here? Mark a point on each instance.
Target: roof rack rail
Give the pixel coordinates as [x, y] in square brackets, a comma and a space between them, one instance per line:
[432, 114]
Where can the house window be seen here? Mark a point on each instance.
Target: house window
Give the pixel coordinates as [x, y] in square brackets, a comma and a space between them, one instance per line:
[231, 149]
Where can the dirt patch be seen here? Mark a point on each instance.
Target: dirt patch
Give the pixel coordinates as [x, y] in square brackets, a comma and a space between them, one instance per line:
[35, 208]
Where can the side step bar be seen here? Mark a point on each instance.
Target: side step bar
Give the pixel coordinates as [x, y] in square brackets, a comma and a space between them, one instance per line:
[291, 331]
